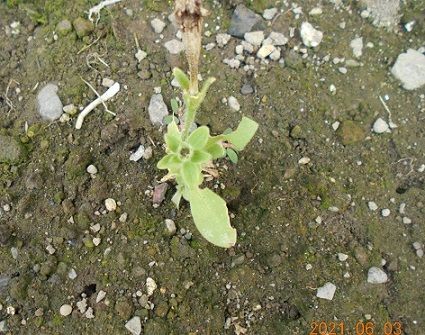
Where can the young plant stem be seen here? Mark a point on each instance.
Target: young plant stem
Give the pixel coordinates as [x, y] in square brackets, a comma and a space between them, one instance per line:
[190, 114]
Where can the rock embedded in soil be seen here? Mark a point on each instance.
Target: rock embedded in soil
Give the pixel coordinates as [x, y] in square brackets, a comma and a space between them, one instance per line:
[357, 46]
[134, 325]
[174, 46]
[380, 126]
[110, 204]
[171, 227]
[247, 89]
[158, 25]
[409, 68]
[372, 205]
[10, 150]
[277, 39]
[222, 39]
[83, 27]
[50, 106]
[350, 132]
[269, 13]
[243, 21]
[157, 109]
[64, 27]
[376, 276]
[310, 36]
[255, 37]
[327, 291]
[65, 310]
[233, 103]
[159, 193]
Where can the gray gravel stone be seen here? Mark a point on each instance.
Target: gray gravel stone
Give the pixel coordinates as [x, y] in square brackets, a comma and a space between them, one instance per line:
[243, 21]
[376, 276]
[49, 104]
[64, 27]
[157, 109]
[247, 89]
[327, 291]
[134, 326]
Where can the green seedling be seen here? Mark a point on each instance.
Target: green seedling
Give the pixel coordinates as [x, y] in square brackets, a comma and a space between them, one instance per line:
[189, 152]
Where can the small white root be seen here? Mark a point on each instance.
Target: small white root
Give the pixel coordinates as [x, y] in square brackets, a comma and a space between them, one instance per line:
[96, 9]
[114, 89]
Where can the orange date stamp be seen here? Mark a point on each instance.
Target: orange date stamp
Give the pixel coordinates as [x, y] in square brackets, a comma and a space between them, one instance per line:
[360, 328]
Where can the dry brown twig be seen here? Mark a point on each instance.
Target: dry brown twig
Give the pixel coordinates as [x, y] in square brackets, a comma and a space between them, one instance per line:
[190, 15]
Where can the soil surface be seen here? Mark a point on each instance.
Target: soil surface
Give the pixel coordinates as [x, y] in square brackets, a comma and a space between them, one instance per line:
[300, 195]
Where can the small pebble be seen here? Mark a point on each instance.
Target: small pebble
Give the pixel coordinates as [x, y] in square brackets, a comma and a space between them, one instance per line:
[150, 286]
[65, 310]
[110, 204]
[234, 104]
[327, 291]
[96, 241]
[407, 220]
[372, 205]
[385, 212]
[134, 325]
[381, 126]
[100, 296]
[158, 25]
[417, 245]
[304, 161]
[72, 274]
[269, 14]
[376, 276]
[342, 257]
[171, 226]
[91, 169]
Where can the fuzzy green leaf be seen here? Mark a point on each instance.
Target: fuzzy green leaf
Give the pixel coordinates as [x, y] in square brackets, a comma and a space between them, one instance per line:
[199, 137]
[200, 157]
[211, 217]
[174, 106]
[181, 78]
[243, 134]
[216, 150]
[173, 142]
[191, 174]
[170, 162]
[233, 156]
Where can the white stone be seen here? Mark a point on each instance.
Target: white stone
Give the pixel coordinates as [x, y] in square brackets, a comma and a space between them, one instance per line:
[311, 37]
[49, 104]
[380, 126]
[222, 39]
[157, 109]
[335, 125]
[275, 55]
[357, 46]
[407, 220]
[171, 226]
[315, 11]
[278, 39]
[372, 205]
[342, 257]
[110, 204]
[106, 82]
[91, 169]
[134, 325]
[140, 55]
[123, 217]
[385, 212]
[420, 253]
[304, 161]
[376, 276]
[50, 249]
[72, 274]
[100, 296]
[138, 154]
[342, 70]
[65, 310]
[234, 104]
[327, 291]
[95, 228]
[239, 49]
[417, 245]
[96, 241]
[254, 37]
[269, 14]
[158, 25]
[150, 286]
[248, 47]
[174, 46]
[409, 68]
[265, 51]
[148, 153]
[89, 313]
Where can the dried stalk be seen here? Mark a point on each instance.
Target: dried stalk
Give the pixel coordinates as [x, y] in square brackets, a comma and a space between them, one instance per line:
[189, 15]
